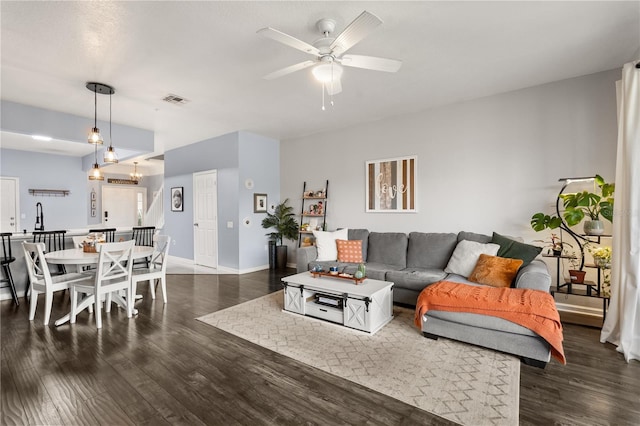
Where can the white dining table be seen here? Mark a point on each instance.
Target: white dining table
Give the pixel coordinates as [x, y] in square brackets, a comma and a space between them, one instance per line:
[77, 256]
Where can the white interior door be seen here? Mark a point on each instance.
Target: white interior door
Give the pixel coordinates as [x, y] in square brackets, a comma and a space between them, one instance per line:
[8, 204]
[123, 206]
[205, 218]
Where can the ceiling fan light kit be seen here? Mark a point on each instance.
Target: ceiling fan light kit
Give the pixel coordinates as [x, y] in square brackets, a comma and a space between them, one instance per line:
[328, 51]
[326, 72]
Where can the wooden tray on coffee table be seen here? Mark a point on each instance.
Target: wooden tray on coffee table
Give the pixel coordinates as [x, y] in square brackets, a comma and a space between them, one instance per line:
[341, 276]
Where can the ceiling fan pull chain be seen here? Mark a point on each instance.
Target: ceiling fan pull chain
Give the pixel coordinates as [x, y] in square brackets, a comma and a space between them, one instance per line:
[331, 84]
[323, 96]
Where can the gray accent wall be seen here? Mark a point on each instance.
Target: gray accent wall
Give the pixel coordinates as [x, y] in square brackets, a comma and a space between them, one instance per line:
[236, 157]
[260, 162]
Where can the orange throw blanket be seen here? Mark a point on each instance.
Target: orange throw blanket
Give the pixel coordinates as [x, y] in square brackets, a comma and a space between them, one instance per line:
[533, 309]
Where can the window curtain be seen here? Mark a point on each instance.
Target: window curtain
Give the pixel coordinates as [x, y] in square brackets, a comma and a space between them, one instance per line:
[622, 326]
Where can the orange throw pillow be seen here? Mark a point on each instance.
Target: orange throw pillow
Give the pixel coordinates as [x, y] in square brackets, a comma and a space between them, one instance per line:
[495, 271]
[349, 251]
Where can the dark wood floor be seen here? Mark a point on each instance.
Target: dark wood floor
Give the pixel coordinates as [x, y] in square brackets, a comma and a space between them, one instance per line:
[164, 367]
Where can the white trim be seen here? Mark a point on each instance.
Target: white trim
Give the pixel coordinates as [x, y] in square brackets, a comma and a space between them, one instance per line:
[576, 309]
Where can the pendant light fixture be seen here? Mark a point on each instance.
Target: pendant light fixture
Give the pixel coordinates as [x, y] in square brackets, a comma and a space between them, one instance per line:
[110, 154]
[135, 176]
[94, 135]
[96, 173]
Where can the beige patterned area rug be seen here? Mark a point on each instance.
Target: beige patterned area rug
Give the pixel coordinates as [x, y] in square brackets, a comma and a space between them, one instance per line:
[463, 383]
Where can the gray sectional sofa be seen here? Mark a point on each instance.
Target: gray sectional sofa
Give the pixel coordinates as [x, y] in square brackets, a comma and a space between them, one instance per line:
[419, 259]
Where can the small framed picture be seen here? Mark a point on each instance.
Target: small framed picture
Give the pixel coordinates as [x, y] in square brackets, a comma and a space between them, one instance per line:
[177, 199]
[93, 212]
[259, 203]
[93, 195]
[93, 204]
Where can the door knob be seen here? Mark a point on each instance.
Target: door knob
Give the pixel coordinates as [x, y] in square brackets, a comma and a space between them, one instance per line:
[195, 224]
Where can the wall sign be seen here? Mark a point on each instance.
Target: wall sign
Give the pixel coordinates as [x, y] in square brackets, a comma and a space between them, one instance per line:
[122, 181]
[391, 185]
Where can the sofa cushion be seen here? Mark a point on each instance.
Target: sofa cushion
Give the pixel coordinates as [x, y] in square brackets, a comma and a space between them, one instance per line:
[514, 249]
[363, 235]
[415, 278]
[480, 321]
[378, 271]
[326, 243]
[388, 248]
[349, 251]
[430, 250]
[472, 236]
[495, 271]
[466, 254]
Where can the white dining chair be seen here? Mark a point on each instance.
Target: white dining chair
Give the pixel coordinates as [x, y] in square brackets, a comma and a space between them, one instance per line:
[157, 269]
[42, 281]
[113, 274]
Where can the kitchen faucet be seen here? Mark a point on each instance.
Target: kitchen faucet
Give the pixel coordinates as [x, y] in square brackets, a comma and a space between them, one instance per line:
[39, 218]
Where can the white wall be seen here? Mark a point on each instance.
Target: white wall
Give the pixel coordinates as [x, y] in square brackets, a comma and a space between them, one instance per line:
[484, 165]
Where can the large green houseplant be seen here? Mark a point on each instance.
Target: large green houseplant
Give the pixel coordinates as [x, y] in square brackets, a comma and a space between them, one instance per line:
[579, 205]
[285, 226]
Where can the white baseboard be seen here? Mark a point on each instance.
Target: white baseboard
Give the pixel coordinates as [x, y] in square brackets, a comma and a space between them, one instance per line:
[582, 310]
[222, 269]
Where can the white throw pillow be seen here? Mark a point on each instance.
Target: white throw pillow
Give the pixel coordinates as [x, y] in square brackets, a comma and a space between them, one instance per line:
[326, 243]
[466, 255]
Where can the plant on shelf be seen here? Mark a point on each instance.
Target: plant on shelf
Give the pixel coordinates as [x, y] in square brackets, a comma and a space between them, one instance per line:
[583, 204]
[602, 259]
[556, 245]
[576, 275]
[282, 220]
[579, 205]
[601, 255]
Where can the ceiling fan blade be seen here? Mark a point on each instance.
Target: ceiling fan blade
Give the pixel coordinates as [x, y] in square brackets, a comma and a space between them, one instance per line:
[289, 70]
[371, 63]
[283, 38]
[335, 87]
[355, 31]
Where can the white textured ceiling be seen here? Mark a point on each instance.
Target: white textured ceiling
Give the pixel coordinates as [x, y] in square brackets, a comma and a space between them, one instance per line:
[209, 53]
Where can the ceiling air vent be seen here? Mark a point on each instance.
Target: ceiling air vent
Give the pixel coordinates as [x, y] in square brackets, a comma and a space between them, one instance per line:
[175, 99]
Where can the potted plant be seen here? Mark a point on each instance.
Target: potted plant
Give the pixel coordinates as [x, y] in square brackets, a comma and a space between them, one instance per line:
[556, 244]
[583, 204]
[282, 220]
[579, 205]
[576, 275]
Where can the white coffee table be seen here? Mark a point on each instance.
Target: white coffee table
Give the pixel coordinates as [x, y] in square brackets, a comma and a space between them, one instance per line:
[367, 306]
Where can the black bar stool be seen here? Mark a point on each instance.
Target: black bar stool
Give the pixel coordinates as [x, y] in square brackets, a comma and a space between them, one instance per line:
[143, 236]
[109, 234]
[53, 241]
[6, 260]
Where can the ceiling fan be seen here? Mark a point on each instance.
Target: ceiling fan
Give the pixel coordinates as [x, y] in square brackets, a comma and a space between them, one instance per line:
[329, 51]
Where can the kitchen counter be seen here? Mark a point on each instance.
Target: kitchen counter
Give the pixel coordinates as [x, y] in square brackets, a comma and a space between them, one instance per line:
[21, 236]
